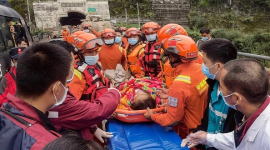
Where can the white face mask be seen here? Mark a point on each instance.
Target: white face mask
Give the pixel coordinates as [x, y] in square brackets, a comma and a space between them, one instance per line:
[69, 80]
[63, 99]
[232, 106]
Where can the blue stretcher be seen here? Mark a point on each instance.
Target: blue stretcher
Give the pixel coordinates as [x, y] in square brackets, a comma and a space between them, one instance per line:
[142, 136]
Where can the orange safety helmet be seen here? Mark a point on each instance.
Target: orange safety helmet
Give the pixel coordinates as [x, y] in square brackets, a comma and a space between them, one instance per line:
[87, 42]
[133, 31]
[108, 33]
[170, 30]
[71, 37]
[123, 28]
[150, 27]
[181, 45]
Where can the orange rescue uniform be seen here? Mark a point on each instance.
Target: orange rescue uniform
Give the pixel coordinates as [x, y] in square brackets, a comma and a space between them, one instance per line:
[95, 33]
[77, 84]
[187, 100]
[65, 34]
[110, 56]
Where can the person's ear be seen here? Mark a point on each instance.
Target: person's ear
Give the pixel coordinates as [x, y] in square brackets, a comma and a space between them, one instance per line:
[56, 87]
[220, 66]
[238, 97]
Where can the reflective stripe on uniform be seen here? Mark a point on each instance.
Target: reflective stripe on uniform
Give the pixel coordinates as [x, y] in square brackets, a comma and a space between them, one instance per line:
[183, 79]
[120, 49]
[217, 113]
[78, 74]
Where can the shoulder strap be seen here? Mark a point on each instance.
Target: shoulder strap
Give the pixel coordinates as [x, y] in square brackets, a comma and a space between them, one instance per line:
[183, 78]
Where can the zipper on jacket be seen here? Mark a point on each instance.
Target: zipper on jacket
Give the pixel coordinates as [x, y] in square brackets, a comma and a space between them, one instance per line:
[20, 120]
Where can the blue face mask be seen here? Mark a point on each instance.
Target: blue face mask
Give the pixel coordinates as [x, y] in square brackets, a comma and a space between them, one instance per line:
[109, 42]
[204, 38]
[132, 41]
[118, 39]
[151, 37]
[86, 30]
[206, 72]
[91, 60]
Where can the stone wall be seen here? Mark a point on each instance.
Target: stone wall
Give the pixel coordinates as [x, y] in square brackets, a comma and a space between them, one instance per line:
[171, 11]
[48, 14]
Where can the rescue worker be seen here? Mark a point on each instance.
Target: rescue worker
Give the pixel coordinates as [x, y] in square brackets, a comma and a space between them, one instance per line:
[123, 32]
[89, 71]
[41, 85]
[164, 33]
[151, 59]
[119, 38]
[8, 84]
[88, 28]
[85, 113]
[187, 96]
[65, 33]
[134, 51]
[111, 54]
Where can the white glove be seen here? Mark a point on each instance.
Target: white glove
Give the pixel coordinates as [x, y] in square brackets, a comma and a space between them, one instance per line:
[100, 134]
[115, 89]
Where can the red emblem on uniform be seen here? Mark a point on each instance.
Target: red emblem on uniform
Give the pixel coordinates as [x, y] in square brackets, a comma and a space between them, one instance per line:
[19, 51]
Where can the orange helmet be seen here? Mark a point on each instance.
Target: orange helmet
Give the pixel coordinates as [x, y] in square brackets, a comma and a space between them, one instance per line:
[150, 27]
[170, 30]
[108, 33]
[87, 42]
[73, 35]
[123, 28]
[133, 31]
[181, 45]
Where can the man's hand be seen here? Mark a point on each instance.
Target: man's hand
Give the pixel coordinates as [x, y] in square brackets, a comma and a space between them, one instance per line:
[162, 93]
[164, 105]
[148, 114]
[100, 134]
[186, 142]
[199, 138]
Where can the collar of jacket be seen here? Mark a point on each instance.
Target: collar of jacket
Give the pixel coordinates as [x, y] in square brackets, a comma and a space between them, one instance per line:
[22, 108]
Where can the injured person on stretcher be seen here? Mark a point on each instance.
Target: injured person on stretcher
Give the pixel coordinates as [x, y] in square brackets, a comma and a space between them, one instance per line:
[138, 94]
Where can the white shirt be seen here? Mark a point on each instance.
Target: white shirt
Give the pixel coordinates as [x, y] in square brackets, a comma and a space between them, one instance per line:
[256, 138]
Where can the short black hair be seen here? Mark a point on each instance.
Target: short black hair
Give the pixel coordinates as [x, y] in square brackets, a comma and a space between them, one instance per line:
[64, 44]
[20, 40]
[39, 67]
[72, 142]
[248, 77]
[219, 50]
[205, 30]
[117, 30]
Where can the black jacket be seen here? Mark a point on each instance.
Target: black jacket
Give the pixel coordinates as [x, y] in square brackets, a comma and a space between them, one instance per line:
[229, 125]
